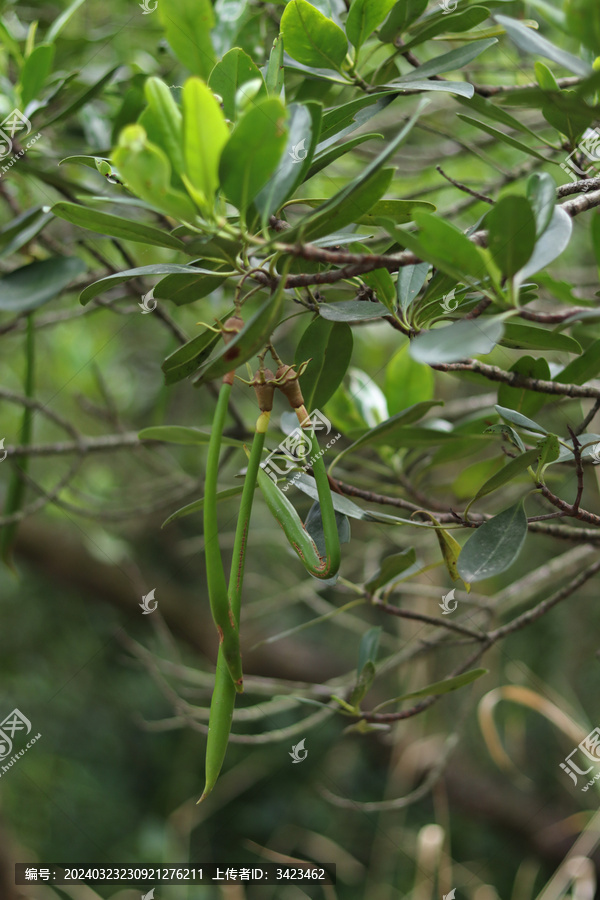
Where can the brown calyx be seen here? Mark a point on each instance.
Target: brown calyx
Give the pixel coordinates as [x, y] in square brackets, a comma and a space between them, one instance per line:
[288, 384]
[264, 388]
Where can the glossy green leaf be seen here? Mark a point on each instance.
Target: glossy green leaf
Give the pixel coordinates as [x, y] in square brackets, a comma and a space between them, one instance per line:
[583, 368]
[512, 469]
[364, 17]
[532, 42]
[369, 645]
[494, 546]
[410, 281]
[447, 62]
[527, 337]
[115, 226]
[311, 38]
[35, 71]
[512, 232]
[550, 245]
[253, 151]
[162, 121]
[329, 346]
[187, 25]
[501, 136]
[352, 311]
[275, 70]
[105, 284]
[387, 432]
[20, 230]
[541, 193]
[303, 134]
[205, 134]
[390, 568]
[444, 242]
[146, 171]
[29, 287]
[234, 70]
[469, 337]
[407, 382]
[456, 22]
[329, 156]
[403, 14]
[521, 421]
[399, 211]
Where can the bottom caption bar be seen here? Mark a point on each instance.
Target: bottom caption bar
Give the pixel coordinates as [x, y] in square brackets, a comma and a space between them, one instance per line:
[268, 873]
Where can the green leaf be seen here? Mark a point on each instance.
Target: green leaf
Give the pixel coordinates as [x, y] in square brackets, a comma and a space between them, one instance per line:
[447, 62]
[198, 505]
[399, 211]
[162, 120]
[511, 470]
[522, 399]
[583, 21]
[495, 545]
[105, 284]
[541, 193]
[456, 22]
[527, 337]
[404, 13]
[274, 74]
[205, 134]
[469, 337]
[20, 230]
[326, 158]
[35, 71]
[187, 25]
[180, 434]
[304, 125]
[391, 567]
[410, 281]
[81, 100]
[364, 681]
[519, 420]
[369, 645]
[234, 70]
[501, 136]
[352, 311]
[33, 285]
[407, 382]
[115, 226]
[187, 288]
[311, 38]
[583, 368]
[443, 241]
[364, 17]
[511, 241]
[357, 197]
[146, 171]
[380, 281]
[330, 346]
[248, 341]
[186, 359]
[532, 42]
[387, 432]
[253, 150]
[460, 88]
[60, 21]
[550, 245]
[548, 452]
[445, 686]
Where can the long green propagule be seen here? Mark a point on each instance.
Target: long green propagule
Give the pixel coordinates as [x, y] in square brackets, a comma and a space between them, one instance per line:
[224, 619]
[281, 508]
[223, 698]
